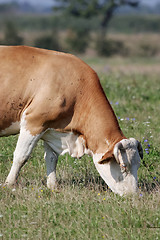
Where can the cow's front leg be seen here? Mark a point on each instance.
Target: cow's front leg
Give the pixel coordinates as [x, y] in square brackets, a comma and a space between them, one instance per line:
[25, 144]
[51, 163]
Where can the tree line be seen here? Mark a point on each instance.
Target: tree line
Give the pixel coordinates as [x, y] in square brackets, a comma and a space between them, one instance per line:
[80, 19]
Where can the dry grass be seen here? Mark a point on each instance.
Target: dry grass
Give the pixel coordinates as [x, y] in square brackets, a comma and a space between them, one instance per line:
[125, 66]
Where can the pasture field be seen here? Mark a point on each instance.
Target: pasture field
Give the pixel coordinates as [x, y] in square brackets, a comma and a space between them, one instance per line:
[83, 207]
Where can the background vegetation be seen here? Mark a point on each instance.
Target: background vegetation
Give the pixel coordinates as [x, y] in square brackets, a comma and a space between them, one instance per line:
[83, 207]
[80, 35]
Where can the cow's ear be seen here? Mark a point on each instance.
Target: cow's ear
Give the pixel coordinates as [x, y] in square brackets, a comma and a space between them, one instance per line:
[106, 157]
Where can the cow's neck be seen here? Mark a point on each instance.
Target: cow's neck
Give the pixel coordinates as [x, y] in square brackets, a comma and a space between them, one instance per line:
[99, 125]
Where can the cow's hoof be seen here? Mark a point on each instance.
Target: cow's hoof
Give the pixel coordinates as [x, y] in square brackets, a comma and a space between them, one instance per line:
[52, 186]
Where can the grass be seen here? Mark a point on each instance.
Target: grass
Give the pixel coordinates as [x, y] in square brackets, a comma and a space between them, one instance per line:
[83, 207]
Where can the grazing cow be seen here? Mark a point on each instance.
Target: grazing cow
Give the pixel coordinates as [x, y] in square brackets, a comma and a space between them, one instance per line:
[58, 98]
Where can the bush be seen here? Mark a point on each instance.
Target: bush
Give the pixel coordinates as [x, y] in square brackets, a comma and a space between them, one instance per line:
[148, 50]
[108, 47]
[11, 36]
[76, 42]
[78, 37]
[48, 42]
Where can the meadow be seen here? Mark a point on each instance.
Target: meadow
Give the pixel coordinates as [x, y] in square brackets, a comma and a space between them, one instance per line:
[83, 207]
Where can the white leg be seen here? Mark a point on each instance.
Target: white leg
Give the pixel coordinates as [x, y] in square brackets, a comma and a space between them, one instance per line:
[51, 163]
[25, 144]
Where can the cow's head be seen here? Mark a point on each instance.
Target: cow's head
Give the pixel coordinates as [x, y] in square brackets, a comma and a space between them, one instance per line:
[119, 167]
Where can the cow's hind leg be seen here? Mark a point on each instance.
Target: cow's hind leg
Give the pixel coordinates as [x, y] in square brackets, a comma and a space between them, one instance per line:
[51, 162]
[25, 144]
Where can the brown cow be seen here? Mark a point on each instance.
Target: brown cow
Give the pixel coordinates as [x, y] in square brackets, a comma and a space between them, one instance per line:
[58, 98]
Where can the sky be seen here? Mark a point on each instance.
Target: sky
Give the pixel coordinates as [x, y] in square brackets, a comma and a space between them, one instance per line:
[150, 2]
[50, 2]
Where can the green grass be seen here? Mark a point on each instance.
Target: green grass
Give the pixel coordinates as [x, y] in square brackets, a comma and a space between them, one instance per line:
[83, 207]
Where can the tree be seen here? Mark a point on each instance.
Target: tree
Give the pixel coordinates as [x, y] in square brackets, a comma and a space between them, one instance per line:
[90, 8]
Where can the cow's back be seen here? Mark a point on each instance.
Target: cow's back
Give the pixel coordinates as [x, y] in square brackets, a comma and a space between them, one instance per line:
[51, 81]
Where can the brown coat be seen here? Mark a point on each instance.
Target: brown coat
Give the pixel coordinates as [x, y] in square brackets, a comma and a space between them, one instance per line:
[59, 91]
